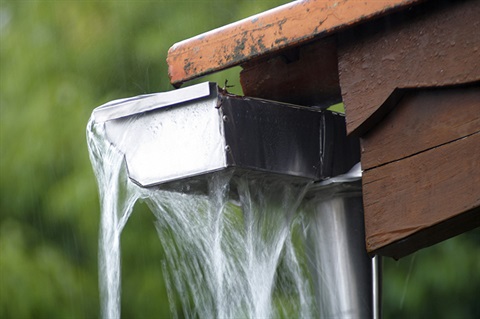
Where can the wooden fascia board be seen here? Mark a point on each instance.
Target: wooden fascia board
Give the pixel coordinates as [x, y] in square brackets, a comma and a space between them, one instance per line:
[284, 27]
[421, 178]
[406, 198]
[437, 46]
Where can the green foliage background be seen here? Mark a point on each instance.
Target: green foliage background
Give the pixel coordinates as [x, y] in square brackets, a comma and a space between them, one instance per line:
[59, 60]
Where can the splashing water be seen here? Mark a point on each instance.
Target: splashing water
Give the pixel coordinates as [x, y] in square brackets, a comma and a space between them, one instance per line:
[117, 197]
[229, 251]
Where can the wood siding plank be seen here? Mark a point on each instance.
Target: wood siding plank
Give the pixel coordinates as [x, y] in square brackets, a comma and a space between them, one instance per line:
[410, 196]
[438, 45]
[423, 119]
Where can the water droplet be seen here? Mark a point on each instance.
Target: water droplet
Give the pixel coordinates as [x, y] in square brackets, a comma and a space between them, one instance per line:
[389, 57]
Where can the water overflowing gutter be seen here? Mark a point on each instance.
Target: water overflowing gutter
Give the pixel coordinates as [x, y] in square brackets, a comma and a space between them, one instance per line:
[176, 140]
[193, 131]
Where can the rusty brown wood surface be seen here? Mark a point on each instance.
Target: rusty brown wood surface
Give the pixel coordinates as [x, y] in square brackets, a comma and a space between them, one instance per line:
[287, 26]
[297, 76]
[436, 45]
[431, 190]
[423, 119]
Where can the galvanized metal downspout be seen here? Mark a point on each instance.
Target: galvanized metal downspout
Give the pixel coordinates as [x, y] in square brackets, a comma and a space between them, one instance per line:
[346, 280]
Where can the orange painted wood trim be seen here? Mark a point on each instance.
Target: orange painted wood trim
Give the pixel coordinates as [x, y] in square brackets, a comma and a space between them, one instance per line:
[286, 26]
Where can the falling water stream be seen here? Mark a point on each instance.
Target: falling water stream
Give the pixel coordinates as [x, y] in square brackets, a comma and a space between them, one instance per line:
[229, 250]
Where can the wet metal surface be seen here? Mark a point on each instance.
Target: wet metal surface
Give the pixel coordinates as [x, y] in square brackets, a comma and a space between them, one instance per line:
[287, 26]
[168, 137]
[343, 272]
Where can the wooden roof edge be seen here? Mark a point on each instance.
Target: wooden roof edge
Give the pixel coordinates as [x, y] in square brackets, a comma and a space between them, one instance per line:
[283, 27]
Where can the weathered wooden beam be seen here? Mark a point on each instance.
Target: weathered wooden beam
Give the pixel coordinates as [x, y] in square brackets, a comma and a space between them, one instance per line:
[421, 180]
[407, 197]
[287, 26]
[434, 44]
[306, 75]
[410, 85]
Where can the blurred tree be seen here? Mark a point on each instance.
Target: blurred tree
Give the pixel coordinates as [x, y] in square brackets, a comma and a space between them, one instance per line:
[442, 281]
[60, 59]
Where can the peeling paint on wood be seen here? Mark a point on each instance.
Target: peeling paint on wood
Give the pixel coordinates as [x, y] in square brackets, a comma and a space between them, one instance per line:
[287, 26]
